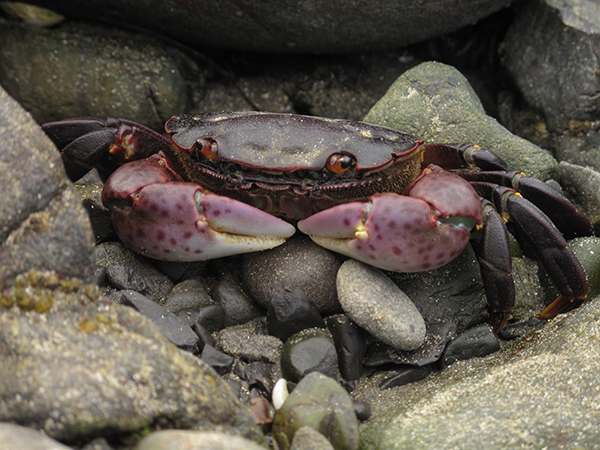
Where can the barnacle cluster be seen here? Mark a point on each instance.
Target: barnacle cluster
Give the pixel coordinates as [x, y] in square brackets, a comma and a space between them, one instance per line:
[36, 291]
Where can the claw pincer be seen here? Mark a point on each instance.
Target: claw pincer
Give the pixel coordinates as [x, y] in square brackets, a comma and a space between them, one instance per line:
[424, 229]
[158, 215]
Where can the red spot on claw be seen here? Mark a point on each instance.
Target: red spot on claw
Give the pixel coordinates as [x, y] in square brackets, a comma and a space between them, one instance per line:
[347, 222]
[397, 251]
[187, 235]
[173, 241]
[198, 251]
[160, 235]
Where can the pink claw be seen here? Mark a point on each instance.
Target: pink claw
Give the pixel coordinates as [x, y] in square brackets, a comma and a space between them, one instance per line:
[402, 233]
[177, 221]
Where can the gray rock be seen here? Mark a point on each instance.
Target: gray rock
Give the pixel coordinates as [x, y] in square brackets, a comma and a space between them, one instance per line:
[322, 404]
[474, 343]
[436, 102]
[310, 350]
[93, 367]
[42, 223]
[176, 331]
[244, 342]
[551, 53]
[541, 391]
[89, 70]
[134, 272]
[195, 440]
[187, 299]
[291, 312]
[553, 64]
[376, 304]
[14, 436]
[529, 294]
[237, 306]
[581, 14]
[581, 183]
[297, 264]
[307, 438]
[327, 85]
[349, 345]
[324, 26]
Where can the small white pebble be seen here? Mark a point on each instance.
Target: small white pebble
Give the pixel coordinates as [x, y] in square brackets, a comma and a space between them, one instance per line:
[280, 393]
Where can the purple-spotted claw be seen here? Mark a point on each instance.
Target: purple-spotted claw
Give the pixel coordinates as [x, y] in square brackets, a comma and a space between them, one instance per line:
[176, 221]
[402, 233]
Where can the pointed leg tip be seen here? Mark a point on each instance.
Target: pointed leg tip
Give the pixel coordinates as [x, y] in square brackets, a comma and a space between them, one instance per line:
[498, 319]
[561, 305]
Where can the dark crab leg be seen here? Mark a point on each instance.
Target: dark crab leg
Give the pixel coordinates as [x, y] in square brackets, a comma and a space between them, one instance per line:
[461, 156]
[495, 262]
[571, 222]
[84, 142]
[546, 241]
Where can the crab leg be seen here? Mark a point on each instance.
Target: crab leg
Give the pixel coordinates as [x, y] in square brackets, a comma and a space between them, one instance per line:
[495, 262]
[84, 142]
[422, 230]
[547, 243]
[158, 216]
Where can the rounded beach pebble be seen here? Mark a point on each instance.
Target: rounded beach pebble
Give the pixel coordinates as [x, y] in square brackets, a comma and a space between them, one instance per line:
[376, 304]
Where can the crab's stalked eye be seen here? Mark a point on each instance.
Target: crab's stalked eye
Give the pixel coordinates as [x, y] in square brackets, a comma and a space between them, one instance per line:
[208, 148]
[339, 163]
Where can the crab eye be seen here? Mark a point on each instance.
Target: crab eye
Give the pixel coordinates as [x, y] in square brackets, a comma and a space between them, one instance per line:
[208, 148]
[339, 163]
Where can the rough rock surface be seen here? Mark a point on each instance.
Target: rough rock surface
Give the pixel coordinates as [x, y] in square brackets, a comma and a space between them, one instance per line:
[42, 223]
[540, 392]
[318, 26]
[82, 367]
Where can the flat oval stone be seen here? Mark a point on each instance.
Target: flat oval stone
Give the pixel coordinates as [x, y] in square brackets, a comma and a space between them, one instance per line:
[376, 304]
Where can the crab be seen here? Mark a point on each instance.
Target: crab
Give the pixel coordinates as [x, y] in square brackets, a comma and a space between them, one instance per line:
[222, 183]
